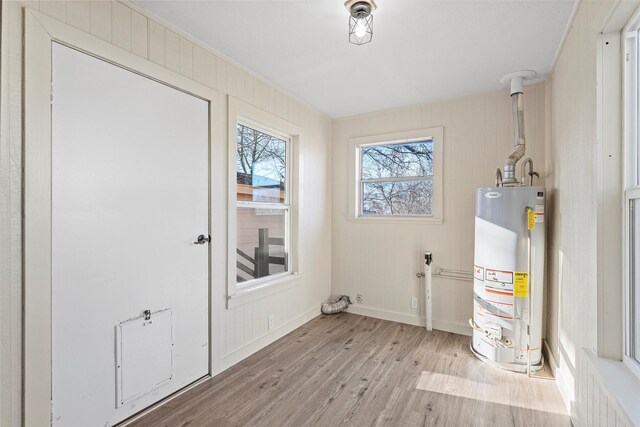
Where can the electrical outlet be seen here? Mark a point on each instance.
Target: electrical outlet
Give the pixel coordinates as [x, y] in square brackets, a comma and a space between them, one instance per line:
[272, 321]
[359, 298]
[414, 302]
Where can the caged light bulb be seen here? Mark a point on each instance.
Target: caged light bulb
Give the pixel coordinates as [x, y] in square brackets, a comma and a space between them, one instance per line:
[361, 27]
[360, 20]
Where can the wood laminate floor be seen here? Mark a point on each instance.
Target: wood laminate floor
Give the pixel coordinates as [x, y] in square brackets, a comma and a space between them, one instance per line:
[352, 370]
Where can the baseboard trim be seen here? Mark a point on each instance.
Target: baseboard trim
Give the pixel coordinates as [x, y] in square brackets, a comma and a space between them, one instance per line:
[456, 328]
[548, 356]
[394, 316]
[232, 358]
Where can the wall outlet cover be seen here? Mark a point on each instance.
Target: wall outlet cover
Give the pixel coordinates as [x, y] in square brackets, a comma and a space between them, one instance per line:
[414, 302]
[272, 321]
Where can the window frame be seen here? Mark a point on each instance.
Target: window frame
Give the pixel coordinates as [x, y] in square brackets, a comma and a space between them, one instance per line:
[239, 293]
[285, 206]
[631, 183]
[362, 181]
[436, 135]
[630, 359]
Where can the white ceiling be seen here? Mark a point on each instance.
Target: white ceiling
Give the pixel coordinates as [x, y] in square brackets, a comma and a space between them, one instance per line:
[422, 50]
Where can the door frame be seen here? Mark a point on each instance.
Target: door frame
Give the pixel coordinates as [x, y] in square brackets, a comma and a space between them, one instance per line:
[40, 32]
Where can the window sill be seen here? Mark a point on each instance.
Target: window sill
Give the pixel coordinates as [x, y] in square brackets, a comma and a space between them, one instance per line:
[398, 219]
[622, 385]
[263, 289]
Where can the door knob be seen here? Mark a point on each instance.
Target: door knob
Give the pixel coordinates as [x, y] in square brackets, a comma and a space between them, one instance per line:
[202, 239]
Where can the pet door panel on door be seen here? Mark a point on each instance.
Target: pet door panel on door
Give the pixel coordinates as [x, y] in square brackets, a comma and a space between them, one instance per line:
[129, 199]
[144, 355]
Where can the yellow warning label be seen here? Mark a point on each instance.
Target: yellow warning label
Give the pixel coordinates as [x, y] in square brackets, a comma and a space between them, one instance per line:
[521, 285]
[531, 219]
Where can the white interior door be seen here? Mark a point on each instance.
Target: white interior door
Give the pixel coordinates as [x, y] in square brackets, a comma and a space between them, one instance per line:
[129, 198]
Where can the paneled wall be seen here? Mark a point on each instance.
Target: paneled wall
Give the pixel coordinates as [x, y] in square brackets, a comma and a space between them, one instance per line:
[237, 332]
[379, 260]
[572, 236]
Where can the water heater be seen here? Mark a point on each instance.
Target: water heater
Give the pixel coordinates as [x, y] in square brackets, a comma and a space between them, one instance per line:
[509, 257]
[509, 276]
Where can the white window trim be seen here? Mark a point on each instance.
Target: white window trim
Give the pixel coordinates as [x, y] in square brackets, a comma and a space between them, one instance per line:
[609, 194]
[631, 186]
[621, 385]
[436, 134]
[244, 113]
[613, 373]
[632, 364]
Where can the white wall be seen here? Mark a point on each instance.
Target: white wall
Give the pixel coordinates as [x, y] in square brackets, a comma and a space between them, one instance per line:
[380, 259]
[237, 332]
[571, 171]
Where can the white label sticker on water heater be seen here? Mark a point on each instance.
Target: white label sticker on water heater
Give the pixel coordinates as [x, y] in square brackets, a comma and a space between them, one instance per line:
[539, 215]
[499, 276]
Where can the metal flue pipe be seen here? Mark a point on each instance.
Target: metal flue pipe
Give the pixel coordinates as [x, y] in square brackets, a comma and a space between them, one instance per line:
[516, 81]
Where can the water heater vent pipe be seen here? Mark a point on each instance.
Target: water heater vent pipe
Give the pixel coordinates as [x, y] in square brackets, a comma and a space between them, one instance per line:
[516, 82]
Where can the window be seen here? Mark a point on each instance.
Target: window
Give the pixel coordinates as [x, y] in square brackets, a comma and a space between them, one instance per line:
[263, 204]
[263, 209]
[397, 179]
[632, 197]
[398, 176]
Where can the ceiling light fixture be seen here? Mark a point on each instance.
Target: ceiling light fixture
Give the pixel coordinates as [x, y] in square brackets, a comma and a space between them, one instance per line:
[360, 20]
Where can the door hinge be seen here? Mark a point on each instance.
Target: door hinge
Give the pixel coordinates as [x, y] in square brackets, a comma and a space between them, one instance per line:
[51, 93]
